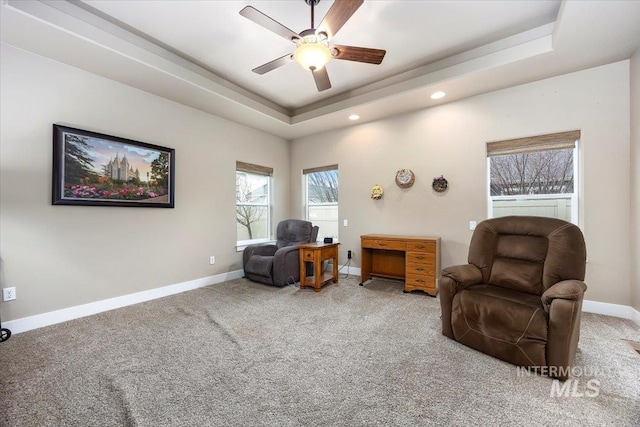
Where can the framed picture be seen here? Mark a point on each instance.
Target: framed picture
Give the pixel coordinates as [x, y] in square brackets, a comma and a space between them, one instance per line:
[93, 169]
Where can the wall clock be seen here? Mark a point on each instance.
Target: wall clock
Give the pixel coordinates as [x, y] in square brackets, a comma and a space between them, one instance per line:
[405, 178]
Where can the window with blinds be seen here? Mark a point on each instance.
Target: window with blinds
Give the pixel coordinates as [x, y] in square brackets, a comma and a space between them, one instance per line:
[321, 199]
[534, 176]
[253, 203]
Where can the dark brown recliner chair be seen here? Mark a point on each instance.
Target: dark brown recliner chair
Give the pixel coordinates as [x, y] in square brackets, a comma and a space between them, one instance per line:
[279, 264]
[520, 297]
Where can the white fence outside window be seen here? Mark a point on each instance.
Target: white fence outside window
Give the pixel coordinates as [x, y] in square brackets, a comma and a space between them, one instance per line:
[325, 216]
[549, 205]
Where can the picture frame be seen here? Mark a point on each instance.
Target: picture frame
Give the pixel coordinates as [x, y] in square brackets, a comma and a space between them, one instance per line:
[94, 169]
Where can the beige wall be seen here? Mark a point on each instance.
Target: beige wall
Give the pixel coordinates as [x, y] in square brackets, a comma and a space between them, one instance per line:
[63, 256]
[635, 180]
[450, 140]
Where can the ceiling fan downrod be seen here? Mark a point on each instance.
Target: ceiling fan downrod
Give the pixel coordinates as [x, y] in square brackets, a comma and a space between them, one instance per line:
[312, 3]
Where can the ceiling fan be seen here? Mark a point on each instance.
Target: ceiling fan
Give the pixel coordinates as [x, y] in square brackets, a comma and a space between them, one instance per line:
[313, 48]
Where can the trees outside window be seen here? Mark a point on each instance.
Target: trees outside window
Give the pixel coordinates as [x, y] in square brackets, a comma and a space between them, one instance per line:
[534, 176]
[253, 222]
[538, 172]
[321, 186]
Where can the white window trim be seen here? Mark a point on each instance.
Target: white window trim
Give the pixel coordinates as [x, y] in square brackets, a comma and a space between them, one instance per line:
[241, 244]
[305, 201]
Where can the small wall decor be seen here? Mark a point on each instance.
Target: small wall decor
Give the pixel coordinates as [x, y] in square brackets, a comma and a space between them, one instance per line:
[100, 170]
[440, 184]
[377, 192]
[405, 178]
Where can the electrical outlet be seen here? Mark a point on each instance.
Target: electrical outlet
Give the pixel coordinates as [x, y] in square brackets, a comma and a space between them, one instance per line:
[8, 294]
[349, 254]
[212, 260]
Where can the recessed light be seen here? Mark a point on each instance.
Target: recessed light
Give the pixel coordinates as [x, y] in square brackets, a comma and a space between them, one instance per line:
[354, 117]
[437, 95]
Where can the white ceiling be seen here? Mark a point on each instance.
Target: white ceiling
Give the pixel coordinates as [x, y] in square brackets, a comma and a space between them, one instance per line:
[200, 53]
[214, 35]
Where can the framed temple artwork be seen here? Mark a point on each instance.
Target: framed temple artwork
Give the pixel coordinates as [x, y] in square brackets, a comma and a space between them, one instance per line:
[94, 169]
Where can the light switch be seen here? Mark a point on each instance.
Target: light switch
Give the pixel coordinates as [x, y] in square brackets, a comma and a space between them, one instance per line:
[472, 225]
[346, 222]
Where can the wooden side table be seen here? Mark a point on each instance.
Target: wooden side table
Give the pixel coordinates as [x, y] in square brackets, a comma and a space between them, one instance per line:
[317, 253]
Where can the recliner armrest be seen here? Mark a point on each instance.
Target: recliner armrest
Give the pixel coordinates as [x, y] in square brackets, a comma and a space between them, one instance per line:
[286, 265]
[567, 289]
[265, 249]
[463, 275]
[453, 280]
[563, 303]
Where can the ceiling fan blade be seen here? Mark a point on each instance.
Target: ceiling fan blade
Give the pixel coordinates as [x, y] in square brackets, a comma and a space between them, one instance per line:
[358, 54]
[338, 14]
[322, 79]
[272, 65]
[268, 23]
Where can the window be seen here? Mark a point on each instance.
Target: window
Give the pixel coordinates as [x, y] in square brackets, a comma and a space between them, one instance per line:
[253, 209]
[534, 176]
[321, 186]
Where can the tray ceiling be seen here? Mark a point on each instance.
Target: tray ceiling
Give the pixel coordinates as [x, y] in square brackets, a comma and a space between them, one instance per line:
[201, 53]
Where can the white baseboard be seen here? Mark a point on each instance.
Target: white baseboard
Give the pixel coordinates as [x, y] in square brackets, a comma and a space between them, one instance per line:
[54, 317]
[615, 310]
[635, 316]
[59, 316]
[351, 271]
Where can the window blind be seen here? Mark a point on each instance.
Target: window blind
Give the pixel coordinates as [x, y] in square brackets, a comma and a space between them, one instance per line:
[320, 169]
[251, 168]
[551, 141]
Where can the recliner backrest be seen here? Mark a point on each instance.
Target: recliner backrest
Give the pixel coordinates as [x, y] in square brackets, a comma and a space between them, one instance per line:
[292, 232]
[527, 253]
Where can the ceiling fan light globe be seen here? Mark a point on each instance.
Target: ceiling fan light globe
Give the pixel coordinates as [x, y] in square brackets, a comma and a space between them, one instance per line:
[312, 52]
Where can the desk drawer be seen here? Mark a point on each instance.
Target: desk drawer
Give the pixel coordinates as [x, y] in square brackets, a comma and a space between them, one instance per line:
[421, 258]
[392, 245]
[420, 270]
[421, 246]
[414, 281]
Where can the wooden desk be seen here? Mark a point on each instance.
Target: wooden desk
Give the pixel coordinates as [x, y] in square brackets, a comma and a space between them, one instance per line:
[412, 259]
[317, 253]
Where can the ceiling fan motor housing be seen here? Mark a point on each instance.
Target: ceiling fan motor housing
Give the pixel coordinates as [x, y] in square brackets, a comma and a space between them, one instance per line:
[312, 50]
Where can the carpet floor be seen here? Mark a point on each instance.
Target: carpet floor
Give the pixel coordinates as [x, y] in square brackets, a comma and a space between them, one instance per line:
[244, 354]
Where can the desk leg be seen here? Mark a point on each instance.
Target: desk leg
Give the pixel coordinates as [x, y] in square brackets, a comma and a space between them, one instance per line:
[335, 268]
[365, 267]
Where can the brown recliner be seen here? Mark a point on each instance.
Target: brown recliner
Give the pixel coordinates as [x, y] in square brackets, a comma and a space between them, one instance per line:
[520, 297]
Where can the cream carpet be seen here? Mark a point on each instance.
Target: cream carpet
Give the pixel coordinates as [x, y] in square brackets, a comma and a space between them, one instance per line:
[245, 354]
